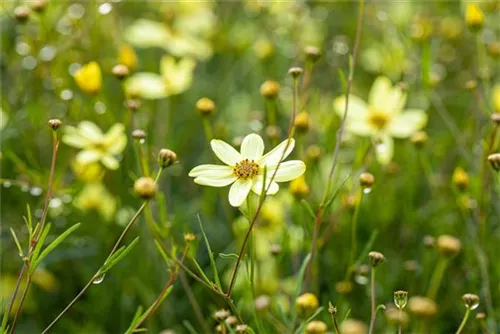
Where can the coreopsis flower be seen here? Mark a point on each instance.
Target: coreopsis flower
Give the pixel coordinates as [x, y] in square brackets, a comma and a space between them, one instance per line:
[89, 78]
[96, 146]
[382, 118]
[95, 197]
[245, 170]
[175, 77]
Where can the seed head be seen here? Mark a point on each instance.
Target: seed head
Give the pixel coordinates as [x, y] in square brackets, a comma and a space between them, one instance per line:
[231, 320]
[145, 188]
[474, 17]
[275, 249]
[221, 315]
[138, 134]
[120, 71]
[133, 104]
[448, 245]
[460, 179]
[353, 326]
[366, 180]
[38, 6]
[189, 237]
[241, 329]
[313, 53]
[55, 123]
[295, 72]
[400, 299]
[270, 89]
[166, 158]
[262, 302]
[302, 122]
[205, 106]
[306, 303]
[494, 160]
[332, 309]
[471, 301]
[429, 241]
[299, 188]
[419, 138]
[22, 14]
[422, 307]
[316, 327]
[376, 258]
[481, 316]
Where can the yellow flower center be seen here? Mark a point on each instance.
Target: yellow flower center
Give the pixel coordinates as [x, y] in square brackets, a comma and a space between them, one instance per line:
[378, 118]
[246, 169]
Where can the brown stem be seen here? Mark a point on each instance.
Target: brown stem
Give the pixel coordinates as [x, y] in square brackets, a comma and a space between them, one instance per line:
[374, 311]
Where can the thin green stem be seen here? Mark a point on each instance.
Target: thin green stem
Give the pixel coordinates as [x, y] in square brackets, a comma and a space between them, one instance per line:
[437, 276]
[400, 311]
[207, 126]
[464, 321]
[373, 302]
[354, 229]
[335, 324]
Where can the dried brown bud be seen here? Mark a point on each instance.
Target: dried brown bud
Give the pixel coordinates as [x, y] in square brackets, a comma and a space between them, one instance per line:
[22, 13]
[366, 180]
[166, 158]
[38, 6]
[448, 245]
[138, 134]
[270, 89]
[145, 188]
[494, 160]
[133, 104]
[120, 71]
[205, 106]
[295, 72]
[471, 301]
[55, 124]
[376, 258]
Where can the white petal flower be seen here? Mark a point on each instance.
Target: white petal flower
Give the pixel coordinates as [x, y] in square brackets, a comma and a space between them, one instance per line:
[245, 170]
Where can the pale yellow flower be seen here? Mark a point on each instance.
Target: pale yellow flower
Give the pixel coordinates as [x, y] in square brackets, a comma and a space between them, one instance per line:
[95, 197]
[382, 118]
[89, 78]
[176, 77]
[96, 146]
[88, 172]
[245, 170]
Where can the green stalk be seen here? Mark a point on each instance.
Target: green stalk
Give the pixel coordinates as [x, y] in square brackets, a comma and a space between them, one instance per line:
[464, 321]
[437, 276]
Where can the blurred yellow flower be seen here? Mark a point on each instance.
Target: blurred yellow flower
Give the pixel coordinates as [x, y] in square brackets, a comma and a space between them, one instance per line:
[127, 57]
[87, 172]
[176, 77]
[496, 97]
[245, 171]
[96, 146]
[95, 197]
[474, 16]
[89, 78]
[382, 118]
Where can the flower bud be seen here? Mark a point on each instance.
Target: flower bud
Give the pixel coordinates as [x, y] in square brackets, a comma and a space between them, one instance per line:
[496, 118]
[270, 89]
[302, 122]
[494, 49]
[313, 53]
[299, 188]
[343, 287]
[221, 315]
[295, 72]
[471, 85]
[376, 258]
[273, 132]
[231, 320]
[316, 327]
[22, 14]
[332, 309]
[396, 317]
[313, 152]
[38, 6]
[205, 106]
[138, 134]
[306, 303]
[166, 158]
[419, 138]
[133, 104]
[494, 160]
[127, 57]
[366, 180]
[481, 316]
[400, 299]
[145, 188]
[89, 78]
[422, 307]
[55, 124]
[120, 71]
[241, 329]
[353, 326]
[460, 179]
[474, 17]
[262, 302]
[448, 245]
[471, 301]
[189, 237]
[410, 265]
[429, 241]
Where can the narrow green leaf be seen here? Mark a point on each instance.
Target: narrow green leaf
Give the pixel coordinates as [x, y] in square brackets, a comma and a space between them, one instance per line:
[210, 255]
[202, 273]
[5, 316]
[19, 248]
[53, 245]
[118, 257]
[315, 314]
[41, 241]
[160, 249]
[342, 78]
[263, 192]
[335, 194]
[189, 327]
[298, 289]
[347, 314]
[136, 317]
[169, 289]
[30, 220]
[140, 330]
[308, 208]
[380, 307]
[366, 249]
[231, 256]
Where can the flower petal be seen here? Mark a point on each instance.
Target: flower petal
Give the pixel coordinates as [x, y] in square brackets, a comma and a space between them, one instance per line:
[360, 127]
[225, 152]
[214, 182]
[239, 192]
[72, 138]
[405, 124]
[252, 147]
[287, 171]
[88, 156]
[272, 158]
[257, 186]
[357, 108]
[379, 93]
[211, 171]
[110, 162]
[90, 131]
[384, 149]
[146, 85]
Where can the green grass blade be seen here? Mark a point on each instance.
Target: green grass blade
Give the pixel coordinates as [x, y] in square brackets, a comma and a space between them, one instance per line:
[298, 289]
[210, 255]
[118, 256]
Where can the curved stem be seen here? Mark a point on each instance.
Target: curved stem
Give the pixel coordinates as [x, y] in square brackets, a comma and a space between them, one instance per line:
[437, 277]
[373, 303]
[464, 321]
[354, 229]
